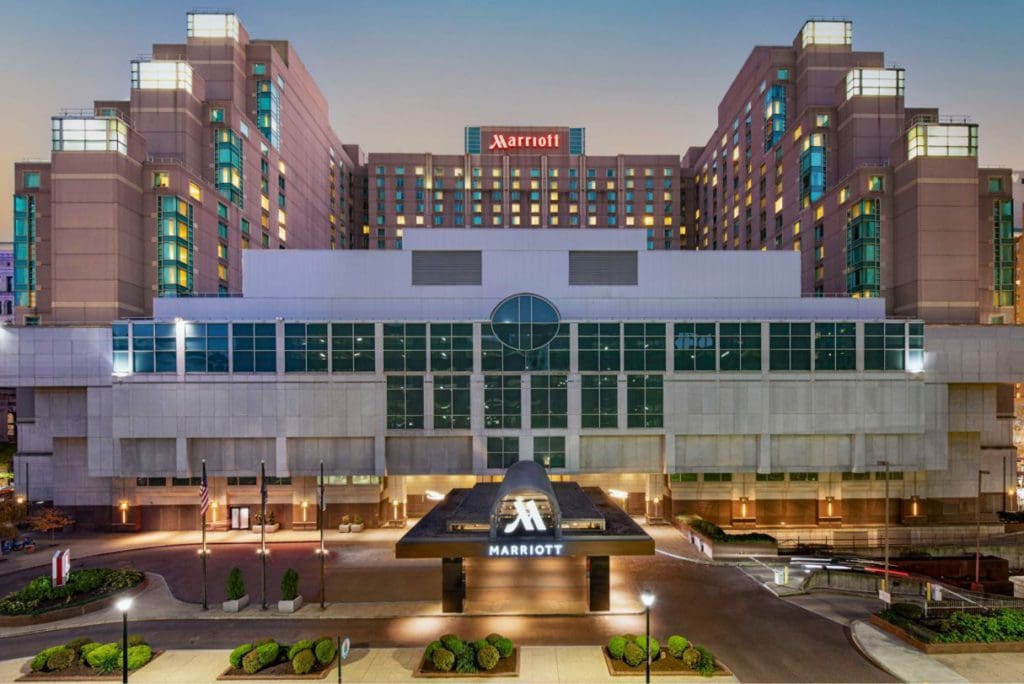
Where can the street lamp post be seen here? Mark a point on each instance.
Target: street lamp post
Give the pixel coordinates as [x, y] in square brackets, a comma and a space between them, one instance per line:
[885, 582]
[977, 535]
[123, 605]
[647, 598]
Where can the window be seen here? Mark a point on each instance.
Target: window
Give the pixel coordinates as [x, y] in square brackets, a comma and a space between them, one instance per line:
[893, 475]
[1003, 260]
[549, 451]
[599, 347]
[739, 346]
[771, 477]
[451, 402]
[856, 477]
[305, 347]
[995, 184]
[246, 481]
[495, 356]
[835, 346]
[175, 248]
[229, 169]
[451, 347]
[549, 401]
[274, 481]
[502, 452]
[812, 169]
[782, 74]
[644, 403]
[206, 347]
[405, 402]
[774, 115]
[874, 82]
[405, 347]
[217, 115]
[363, 480]
[31, 179]
[718, 477]
[821, 120]
[119, 348]
[599, 401]
[151, 482]
[352, 348]
[253, 347]
[154, 348]
[502, 401]
[259, 69]
[863, 249]
[876, 184]
[803, 477]
[915, 347]
[525, 322]
[942, 140]
[186, 481]
[645, 346]
[694, 345]
[161, 179]
[790, 346]
[884, 346]
[677, 478]
[94, 134]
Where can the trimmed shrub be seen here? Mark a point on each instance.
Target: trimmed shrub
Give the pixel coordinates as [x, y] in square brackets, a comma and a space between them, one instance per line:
[97, 656]
[653, 646]
[325, 650]
[431, 647]
[289, 585]
[139, 655]
[633, 654]
[264, 640]
[77, 643]
[268, 653]
[87, 649]
[236, 655]
[236, 585]
[691, 658]
[676, 645]
[487, 657]
[504, 647]
[454, 644]
[303, 661]
[61, 659]
[492, 637]
[465, 662]
[443, 660]
[251, 662]
[301, 645]
[480, 643]
[38, 663]
[357, 520]
[706, 666]
[136, 640]
[616, 645]
[908, 611]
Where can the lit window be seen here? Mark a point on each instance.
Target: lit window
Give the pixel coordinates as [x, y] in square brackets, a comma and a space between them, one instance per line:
[162, 76]
[821, 120]
[942, 140]
[876, 184]
[259, 69]
[874, 82]
[31, 179]
[827, 33]
[195, 192]
[211, 25]
[161, 179]
[217, 115]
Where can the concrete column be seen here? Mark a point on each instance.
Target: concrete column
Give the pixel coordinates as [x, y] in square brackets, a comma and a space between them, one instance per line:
[453, 585]
[181, 458]
[599, 584]
[280, 456]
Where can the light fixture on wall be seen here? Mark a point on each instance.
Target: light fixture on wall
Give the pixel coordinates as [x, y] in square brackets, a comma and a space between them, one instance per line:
[213, 510]
[914, 507]
[123, 507]
[305, 509]
[743, 506]
[828, 502]
[433, 496]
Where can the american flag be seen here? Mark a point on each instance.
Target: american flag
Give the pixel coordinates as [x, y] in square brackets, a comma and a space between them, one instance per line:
[204, 494]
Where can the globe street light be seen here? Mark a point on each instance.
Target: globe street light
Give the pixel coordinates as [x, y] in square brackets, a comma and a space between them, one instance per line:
[123, 605]
[647, 598]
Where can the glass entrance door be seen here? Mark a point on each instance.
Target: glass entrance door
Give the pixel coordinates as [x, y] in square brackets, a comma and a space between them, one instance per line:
[240, 518]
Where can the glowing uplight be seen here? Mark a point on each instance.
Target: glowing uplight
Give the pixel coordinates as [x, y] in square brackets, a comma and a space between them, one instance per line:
[434, 496]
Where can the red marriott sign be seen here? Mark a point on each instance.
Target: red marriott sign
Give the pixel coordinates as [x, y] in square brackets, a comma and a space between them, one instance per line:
[502, 141]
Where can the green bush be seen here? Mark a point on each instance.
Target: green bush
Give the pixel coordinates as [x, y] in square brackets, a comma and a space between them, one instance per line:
[289, 585]
[492, 637]
[504, 647]
[691, 658]
[487, 657]
[908, 611]
[465, 662]
[263, 640]
[300, 645]
[77, 643]
[303, 661]
[236, 655]
[61, 659]
[139, 655]
[325, 650]
[38, 663]
[443, 660]
[96, 657]
[633, 654]
[676, 645]
[136, 640]
[87, 649]
[480, 643]
[706, 666]
[268, 653]
[454, 644]
[653, 646]
[251, 662]
[96, 582]
[236, 585]
[616, 645]
[357, 520]
[1000, 625]
[431, 647]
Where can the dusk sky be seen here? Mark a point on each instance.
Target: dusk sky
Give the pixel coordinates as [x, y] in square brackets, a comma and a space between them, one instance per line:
[641, 76]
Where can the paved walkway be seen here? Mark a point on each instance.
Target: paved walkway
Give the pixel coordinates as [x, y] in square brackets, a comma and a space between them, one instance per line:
[902, 660]
[548, 664]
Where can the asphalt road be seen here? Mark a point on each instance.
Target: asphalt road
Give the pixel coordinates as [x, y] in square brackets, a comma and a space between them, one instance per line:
[760, 637]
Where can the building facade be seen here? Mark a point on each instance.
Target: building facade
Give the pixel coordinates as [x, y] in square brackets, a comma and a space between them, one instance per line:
[224, 145]
[817, 152]
[678, 381]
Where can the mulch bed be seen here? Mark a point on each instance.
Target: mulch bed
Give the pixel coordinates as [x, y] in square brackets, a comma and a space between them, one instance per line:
[82, 673]
[664, 665]
[281, 670]
[506, 667]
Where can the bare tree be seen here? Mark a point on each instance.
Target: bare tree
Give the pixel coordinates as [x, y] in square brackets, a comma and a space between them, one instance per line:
[50, 520]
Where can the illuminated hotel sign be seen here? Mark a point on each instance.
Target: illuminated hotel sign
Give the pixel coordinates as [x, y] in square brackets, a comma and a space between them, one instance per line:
[501, 141]
[528, 515]
[524, 550]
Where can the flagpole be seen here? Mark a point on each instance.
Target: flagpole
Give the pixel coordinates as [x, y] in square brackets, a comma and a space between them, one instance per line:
[203, 505]
[263, 533]
[323, 551]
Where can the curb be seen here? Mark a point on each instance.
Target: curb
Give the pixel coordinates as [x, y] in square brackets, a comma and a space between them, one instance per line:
[864, 652]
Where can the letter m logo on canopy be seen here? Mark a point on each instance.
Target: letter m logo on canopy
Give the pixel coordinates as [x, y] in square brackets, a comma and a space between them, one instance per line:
[528, 516]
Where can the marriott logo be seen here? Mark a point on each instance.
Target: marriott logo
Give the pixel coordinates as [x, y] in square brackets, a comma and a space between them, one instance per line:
[500, 141]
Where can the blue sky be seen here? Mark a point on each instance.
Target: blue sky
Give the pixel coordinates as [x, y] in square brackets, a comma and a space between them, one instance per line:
[643, 76]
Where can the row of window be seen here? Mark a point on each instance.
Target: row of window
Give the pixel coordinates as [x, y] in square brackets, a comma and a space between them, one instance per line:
[250, 481]
[781, 477]
[603, 347]
[496, 172]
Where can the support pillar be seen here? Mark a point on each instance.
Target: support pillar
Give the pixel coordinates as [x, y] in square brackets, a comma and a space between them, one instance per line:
[599, 584]
[453, 585]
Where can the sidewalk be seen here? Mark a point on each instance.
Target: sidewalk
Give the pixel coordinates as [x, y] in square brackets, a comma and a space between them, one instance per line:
[900, 660]
[549, 664]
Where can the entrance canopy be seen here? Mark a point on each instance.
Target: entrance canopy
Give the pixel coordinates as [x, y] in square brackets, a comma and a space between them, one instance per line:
[525, 515]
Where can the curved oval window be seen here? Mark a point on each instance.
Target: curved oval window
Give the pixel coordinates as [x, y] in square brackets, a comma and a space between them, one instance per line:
[525, 322]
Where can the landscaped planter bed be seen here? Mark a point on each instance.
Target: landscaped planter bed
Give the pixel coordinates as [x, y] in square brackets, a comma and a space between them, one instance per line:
[81, 673]
[664, 665]
[282, 670]
[452, 657]
[46, 609]
[714, 542]
[268, 659]
[506, 667]
[944, 647]
[85, 659]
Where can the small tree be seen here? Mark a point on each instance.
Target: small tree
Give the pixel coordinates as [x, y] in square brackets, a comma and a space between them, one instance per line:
[290, 585]
[236, 586]
[50, 520]
[11, 514]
